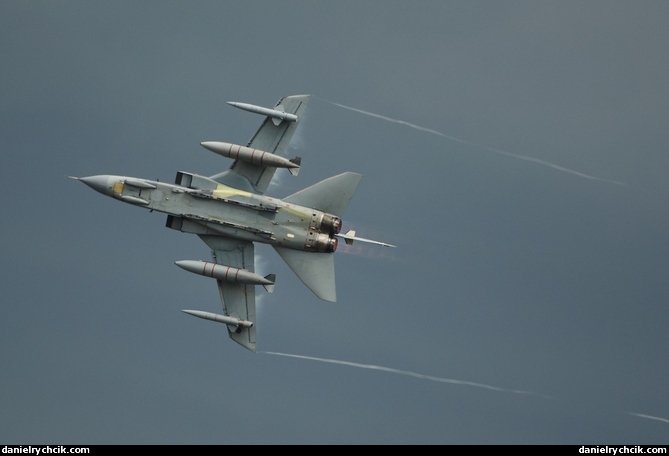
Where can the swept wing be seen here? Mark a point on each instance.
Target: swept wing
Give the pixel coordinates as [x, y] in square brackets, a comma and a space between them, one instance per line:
[238, 299]
[270, 137]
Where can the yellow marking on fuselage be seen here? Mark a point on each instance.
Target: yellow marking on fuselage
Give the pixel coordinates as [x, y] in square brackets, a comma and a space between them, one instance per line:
[223, 191]
[303, 212]
[118, 188]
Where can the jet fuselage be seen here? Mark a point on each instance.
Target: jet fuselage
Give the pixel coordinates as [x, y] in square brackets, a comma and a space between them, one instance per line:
[203, 206]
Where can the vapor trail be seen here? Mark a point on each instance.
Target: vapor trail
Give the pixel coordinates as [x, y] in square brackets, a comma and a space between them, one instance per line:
[438, 379]
[491, 149]
[409, 373]
[649, 417]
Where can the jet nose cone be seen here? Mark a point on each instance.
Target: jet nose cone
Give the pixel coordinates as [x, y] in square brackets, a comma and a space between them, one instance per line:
[97, 183]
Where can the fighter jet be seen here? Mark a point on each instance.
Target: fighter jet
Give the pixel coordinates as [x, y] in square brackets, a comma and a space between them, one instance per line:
[229, 211]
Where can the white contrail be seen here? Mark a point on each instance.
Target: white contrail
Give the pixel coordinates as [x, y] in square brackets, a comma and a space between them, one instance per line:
[409, 373]
[438, 379]
[453, 138]
[664, 420]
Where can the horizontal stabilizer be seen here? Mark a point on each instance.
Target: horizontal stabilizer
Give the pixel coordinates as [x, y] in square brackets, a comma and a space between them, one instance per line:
[331, 195]
[315, 270]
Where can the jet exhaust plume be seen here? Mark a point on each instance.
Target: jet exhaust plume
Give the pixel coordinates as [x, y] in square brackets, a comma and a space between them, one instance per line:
[409, 373]
[490, 149]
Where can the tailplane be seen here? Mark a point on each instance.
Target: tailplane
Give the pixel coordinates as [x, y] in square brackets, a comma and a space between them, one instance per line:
[315, 270]
[331, 195]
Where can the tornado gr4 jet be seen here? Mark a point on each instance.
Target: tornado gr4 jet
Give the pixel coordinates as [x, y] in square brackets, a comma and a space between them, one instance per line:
[229, 211]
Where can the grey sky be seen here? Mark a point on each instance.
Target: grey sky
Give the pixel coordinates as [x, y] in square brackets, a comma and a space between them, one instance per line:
[510, 273]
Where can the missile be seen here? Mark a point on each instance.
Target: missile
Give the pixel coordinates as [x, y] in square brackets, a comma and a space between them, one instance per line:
[277, 115]
[255, 156]
[227, 273]
[232, 321]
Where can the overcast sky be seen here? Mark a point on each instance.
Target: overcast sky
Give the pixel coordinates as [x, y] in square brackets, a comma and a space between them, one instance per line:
[516, 153]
